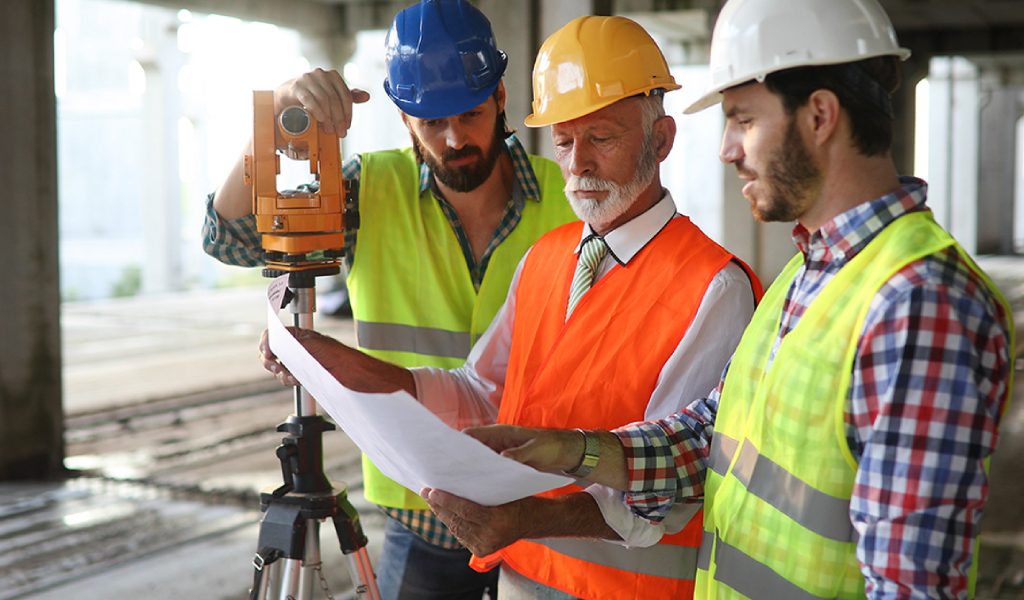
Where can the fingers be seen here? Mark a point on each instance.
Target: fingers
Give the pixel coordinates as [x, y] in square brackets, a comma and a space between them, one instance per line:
[325, 95]
[462, 516]
[342, 116]
[445, 504]
[501, 437]
[359, 96]
[482, 529]
[271, 364]
[550, 450]
[318, 98]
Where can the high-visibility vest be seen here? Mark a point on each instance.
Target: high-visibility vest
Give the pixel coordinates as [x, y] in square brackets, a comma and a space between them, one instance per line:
[598, 370]
[412, 296]
[781, 474]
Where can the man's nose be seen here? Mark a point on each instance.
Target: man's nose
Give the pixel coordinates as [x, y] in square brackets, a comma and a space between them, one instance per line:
[731, 151]
[580, 160]
[455, 135]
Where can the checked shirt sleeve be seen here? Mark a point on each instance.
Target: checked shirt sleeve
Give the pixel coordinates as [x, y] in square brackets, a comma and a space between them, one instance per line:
[666, 459]
[929, 383]
[232, 241]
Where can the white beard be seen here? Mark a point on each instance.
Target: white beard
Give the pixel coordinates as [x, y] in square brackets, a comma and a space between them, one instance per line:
[620, 196]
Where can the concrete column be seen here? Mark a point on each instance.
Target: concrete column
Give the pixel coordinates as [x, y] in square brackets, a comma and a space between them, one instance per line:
[953, 148]
[161, 270]
[31, 421]
[553, 14]
[904, 104]
[997, 160]
[329, 51]
[515, 29]
[1018, 216]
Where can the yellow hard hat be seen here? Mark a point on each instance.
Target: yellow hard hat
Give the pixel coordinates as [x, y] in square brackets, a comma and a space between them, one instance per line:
[591, 63]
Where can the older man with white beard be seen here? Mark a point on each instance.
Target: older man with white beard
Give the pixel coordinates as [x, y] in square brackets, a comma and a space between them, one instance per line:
[626, 316]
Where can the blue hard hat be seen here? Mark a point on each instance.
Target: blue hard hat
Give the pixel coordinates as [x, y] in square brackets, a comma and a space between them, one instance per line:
[441, 59]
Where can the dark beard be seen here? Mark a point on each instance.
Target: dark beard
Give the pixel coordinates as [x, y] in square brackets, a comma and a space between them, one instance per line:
[470, 177]
[791, 174]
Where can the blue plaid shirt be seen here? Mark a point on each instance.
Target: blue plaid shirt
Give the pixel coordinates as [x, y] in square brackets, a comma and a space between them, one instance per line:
[928, 389]
[236, 242]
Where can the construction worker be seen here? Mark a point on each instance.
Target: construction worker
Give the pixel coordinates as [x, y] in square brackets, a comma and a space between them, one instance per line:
[442, 226]
[666, 302]
[845, 450]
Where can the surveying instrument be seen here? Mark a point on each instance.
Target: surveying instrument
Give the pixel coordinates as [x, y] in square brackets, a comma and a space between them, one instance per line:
[303, 237]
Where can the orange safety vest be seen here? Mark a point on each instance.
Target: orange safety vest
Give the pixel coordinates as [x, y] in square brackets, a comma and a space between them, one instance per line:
[597, 371]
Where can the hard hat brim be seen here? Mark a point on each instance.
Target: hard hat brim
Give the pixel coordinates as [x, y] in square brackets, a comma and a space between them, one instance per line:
[439, 110]
[534, 120]
[714, 95]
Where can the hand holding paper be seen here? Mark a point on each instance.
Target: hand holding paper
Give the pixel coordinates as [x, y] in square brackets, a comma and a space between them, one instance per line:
[405, 440]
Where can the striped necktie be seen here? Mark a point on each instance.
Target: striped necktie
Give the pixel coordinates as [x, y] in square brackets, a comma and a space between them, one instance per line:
[591, 254]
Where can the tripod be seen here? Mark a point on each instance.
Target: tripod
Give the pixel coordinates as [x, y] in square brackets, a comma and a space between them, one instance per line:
[288, 553]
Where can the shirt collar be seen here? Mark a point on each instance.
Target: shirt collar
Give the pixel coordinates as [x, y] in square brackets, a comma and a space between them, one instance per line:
[628, 239]
[847, 233]
[525, 179]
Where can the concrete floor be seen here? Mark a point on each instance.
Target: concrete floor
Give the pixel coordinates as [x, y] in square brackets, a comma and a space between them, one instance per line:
[170, 438]
[171, 435]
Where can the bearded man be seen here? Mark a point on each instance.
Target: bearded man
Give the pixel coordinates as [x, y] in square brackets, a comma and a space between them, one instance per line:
[844, 454]
[442, 226]
[619, 318]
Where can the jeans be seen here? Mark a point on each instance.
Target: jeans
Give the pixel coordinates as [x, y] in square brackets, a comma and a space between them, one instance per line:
[413, 569]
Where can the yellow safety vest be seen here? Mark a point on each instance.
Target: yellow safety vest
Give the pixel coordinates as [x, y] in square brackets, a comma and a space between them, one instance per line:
[781, 474]
[412, 296]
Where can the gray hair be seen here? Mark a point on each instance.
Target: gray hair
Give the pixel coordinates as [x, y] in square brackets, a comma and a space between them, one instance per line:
[652, 108]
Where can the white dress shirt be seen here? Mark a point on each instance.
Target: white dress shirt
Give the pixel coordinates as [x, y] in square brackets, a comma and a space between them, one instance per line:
[471, 394]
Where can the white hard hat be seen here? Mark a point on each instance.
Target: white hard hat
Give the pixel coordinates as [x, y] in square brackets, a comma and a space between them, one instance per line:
[754, 38]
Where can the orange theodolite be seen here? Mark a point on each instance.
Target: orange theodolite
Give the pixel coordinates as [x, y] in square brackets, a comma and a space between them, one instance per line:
[302, 230]
[303, 238]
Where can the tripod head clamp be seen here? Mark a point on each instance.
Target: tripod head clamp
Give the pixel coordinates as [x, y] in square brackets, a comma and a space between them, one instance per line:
[301, 230]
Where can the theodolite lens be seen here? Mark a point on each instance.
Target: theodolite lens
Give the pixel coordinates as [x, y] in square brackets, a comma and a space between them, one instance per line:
[294, 120]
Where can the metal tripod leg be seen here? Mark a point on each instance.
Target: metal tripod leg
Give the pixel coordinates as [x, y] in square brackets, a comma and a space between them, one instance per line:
[288, 557]
[353, 546]
[288, 560]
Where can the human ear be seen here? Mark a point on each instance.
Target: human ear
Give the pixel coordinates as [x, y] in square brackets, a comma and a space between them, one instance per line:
[664, 136]
[823, 112]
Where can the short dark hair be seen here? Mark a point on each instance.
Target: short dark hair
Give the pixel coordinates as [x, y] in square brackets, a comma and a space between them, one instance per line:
[864, 89]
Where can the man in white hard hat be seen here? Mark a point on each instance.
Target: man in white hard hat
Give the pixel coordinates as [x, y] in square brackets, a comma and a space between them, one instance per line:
[845, 450]
[606, 322]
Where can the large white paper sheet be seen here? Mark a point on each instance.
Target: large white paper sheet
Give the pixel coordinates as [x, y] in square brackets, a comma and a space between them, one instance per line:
[406, 441]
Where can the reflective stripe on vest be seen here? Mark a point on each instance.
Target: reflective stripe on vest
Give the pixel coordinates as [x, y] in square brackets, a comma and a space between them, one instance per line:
[751, 578]
[394, 337]
[413, 298]
[780, 470]
[660, 560]
[819, 512]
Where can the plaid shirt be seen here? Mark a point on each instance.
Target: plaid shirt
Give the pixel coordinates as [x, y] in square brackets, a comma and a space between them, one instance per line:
[929, 385]
[236, 242]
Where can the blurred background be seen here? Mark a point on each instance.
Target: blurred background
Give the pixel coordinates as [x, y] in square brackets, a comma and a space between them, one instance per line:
[136, 426]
